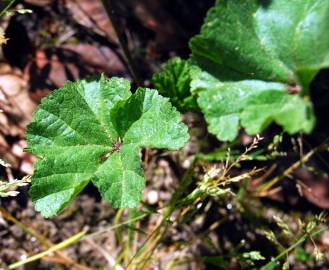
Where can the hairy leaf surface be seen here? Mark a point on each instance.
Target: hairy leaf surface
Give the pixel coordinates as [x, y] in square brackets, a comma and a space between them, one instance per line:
[93, 130]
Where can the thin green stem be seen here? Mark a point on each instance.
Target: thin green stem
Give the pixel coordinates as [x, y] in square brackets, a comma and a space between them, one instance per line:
[303, 238]
[111, 15]
[7, 7]
[68, 242]
[118, 225]
[75, 238]
[156, 234]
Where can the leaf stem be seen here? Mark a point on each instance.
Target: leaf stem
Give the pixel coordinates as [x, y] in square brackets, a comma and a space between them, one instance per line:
[111, 15]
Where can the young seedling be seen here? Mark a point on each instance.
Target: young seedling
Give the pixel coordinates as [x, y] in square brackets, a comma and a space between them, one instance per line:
[93, 131]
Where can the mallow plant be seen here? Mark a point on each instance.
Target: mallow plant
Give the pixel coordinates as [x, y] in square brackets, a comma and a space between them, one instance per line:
[251, 65]
[93, 130]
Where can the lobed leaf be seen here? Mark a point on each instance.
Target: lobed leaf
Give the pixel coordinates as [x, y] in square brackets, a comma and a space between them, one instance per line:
[254, 105]
[261, 57]
[93, 130]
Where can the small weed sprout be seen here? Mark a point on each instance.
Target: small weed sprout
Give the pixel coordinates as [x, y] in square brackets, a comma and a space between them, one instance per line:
[7, 189]
[215, 181]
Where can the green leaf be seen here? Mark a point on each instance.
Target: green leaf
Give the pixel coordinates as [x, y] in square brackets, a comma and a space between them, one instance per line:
[248, 259]
[174, 82]
[253, 255]
[93, 130]
[302, 255]
[258, 59]
[253, 105]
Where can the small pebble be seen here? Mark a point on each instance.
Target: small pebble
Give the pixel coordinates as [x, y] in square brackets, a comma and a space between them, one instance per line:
[152, 197]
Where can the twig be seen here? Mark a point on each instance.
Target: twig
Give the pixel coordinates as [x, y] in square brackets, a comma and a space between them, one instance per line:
[111, 15]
